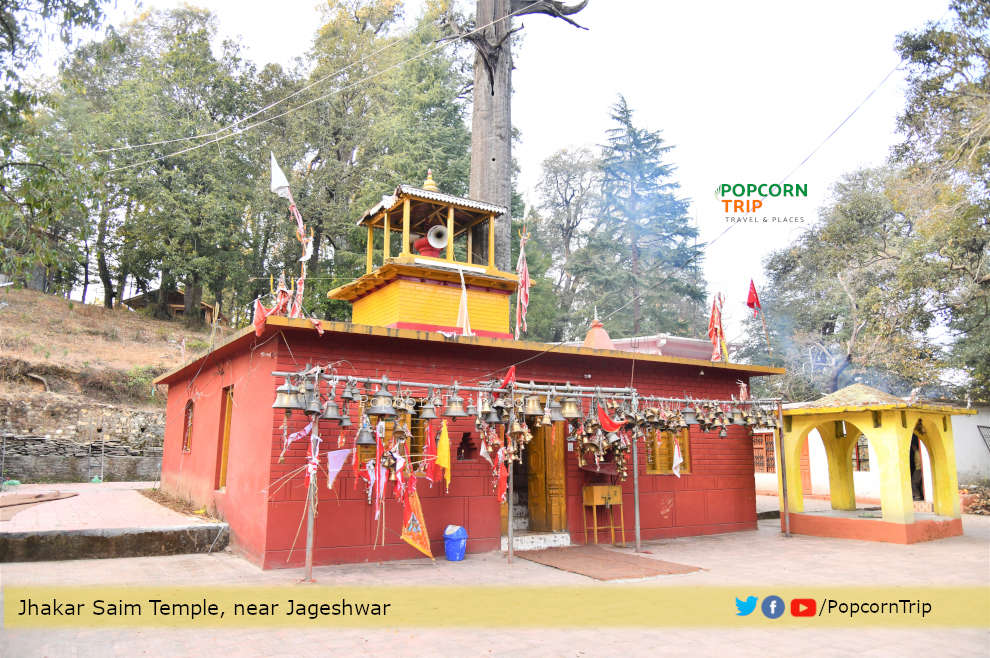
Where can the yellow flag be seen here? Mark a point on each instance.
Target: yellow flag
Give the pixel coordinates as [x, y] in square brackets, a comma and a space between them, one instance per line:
[443, 453]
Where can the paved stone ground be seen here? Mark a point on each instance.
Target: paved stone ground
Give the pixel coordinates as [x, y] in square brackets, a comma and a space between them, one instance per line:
[771, 503]
[762, 558]
[104, 505]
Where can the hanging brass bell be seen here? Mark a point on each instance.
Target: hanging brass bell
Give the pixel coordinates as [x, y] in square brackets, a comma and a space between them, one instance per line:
[517, 429]
[349, 393]
[555, 414]
[571, 408]
[345, 419]
[313, 405]
[532, 406]
[455, 406]
[492, 417]
[737, 416]
[472, 410]
[486, 406]
[689, 414]
[723, 433]
[287, 397]
[381, 404]
[427, 411]
[365, 437]
[330, 411]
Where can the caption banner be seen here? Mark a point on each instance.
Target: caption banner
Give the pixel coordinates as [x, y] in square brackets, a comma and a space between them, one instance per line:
[641, 606]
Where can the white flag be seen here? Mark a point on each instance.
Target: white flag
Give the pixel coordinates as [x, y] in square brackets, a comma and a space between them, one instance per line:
[677, 459]
[335, 461]
[463, 321]
[280, 184]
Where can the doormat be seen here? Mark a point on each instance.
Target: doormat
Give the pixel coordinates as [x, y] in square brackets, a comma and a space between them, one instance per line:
[12, 503]
[601, 564]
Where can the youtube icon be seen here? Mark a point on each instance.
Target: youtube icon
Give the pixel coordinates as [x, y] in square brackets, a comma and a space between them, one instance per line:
[803, 607]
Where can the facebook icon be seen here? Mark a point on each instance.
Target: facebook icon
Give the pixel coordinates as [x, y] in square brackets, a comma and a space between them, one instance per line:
[773, 607]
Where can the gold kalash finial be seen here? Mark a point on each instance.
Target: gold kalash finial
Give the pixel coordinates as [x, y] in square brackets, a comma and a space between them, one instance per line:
[429, 184]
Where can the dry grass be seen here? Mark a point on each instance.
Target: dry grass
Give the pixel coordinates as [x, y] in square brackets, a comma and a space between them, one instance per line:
[41, 328]
[176, 504]
[88, 349]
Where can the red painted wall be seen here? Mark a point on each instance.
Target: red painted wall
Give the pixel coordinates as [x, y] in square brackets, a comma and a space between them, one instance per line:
[718, 496]
[192, 475]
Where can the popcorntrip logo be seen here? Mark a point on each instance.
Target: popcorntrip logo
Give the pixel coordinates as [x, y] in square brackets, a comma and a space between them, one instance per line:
[741, 194]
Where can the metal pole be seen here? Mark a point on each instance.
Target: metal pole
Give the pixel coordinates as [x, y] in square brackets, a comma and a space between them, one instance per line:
[635, 449]
[310, 521]
[635, 460]
[3, 459]
[511, 495]
[786, 511]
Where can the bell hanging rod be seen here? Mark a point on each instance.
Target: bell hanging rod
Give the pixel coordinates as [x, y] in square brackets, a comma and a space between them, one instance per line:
[568, 390]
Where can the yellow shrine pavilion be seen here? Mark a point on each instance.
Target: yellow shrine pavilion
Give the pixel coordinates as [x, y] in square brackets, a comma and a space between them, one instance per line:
[428, 278]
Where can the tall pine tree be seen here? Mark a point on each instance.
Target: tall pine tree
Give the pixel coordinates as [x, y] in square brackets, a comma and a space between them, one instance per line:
[642, 256]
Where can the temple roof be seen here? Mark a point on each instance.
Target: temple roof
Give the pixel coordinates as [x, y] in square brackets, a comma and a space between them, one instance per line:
[467, 211]
[860, 397]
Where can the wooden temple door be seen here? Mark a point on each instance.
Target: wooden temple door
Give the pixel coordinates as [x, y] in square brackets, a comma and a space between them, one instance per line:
[547, 502]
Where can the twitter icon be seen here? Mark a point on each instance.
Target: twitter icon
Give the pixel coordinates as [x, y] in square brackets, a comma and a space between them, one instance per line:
[745, 607]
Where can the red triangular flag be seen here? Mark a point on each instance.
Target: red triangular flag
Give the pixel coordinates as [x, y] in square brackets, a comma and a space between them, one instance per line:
[509, 378]
[753, 300]
[607, 422]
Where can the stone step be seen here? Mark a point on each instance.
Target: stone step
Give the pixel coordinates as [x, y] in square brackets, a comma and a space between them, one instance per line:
[536, 541]
[88, 544]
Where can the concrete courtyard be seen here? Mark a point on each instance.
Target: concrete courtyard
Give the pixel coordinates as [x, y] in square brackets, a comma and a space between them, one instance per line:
[758, 559]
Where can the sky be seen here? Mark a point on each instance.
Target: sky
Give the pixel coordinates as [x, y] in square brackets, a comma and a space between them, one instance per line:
[744, 91]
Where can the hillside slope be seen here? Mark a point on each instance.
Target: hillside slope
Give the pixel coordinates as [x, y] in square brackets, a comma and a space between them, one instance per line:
[50, 343]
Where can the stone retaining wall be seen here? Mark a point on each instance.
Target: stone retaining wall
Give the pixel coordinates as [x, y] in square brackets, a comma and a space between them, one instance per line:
[55, 438]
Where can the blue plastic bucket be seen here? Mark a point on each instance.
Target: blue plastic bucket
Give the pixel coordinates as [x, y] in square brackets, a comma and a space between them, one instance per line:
[455, 542]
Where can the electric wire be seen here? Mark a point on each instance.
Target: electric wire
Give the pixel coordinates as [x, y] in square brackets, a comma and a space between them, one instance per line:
[823, 142]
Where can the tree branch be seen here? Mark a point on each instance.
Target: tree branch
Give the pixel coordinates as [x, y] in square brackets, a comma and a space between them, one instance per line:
[548, 7]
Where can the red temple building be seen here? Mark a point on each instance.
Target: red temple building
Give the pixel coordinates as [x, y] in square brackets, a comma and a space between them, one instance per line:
[223, 439]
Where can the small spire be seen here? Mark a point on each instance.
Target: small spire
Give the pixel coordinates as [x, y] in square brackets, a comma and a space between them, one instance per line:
[429, 184]
[597, 337]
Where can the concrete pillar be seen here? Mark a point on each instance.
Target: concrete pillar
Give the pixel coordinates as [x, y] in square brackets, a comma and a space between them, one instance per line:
[892, 443]
[941, 450]
[838, 450]
[792, 441]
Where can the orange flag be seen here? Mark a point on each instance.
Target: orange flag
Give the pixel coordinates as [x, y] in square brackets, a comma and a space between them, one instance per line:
[414, 525]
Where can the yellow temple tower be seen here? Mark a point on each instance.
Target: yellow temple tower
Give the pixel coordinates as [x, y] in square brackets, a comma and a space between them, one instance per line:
[432, 273]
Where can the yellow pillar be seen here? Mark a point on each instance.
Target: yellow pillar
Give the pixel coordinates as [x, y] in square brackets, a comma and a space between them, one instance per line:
[791, 441]
[891, 443]
[405, 227]
[371, 250]
[387, 248]
[470, 247]
[942, 454]
[838, 450]
[450, 233]
[491, 241]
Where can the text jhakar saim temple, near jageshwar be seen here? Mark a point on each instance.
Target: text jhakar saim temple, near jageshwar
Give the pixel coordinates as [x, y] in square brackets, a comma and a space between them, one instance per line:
[565, 417]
